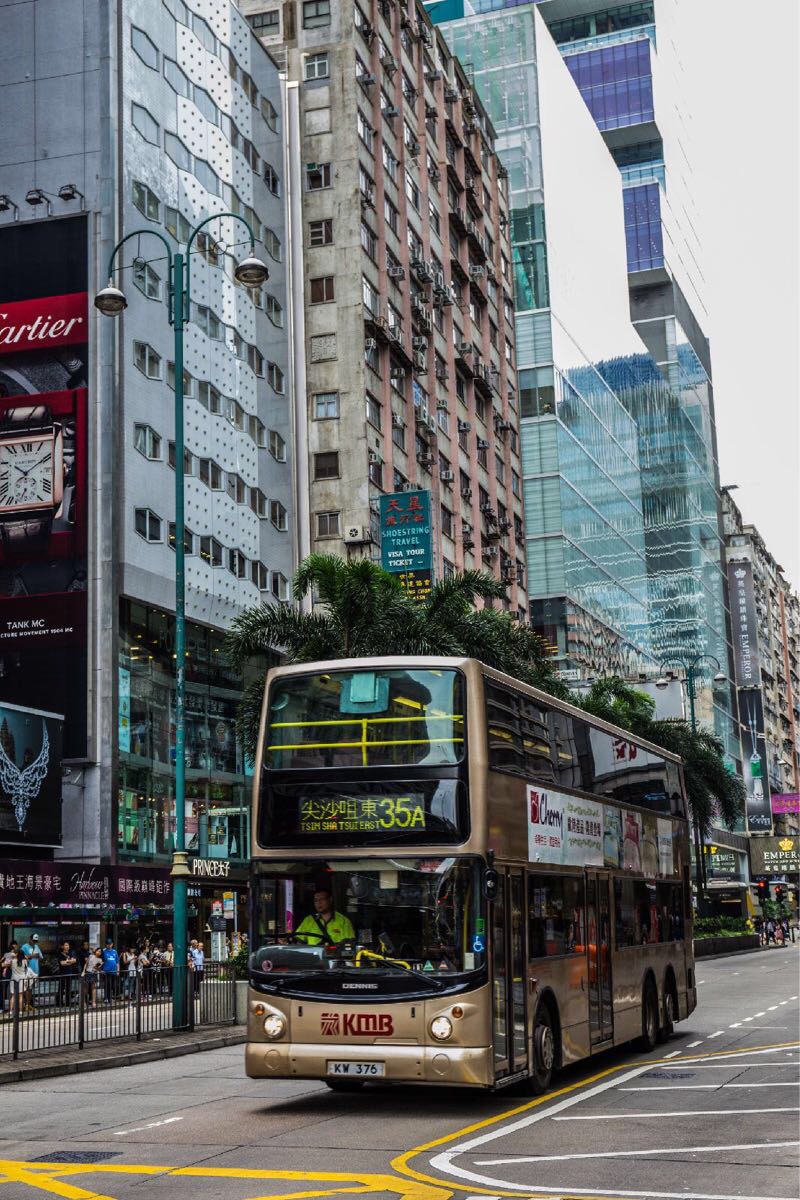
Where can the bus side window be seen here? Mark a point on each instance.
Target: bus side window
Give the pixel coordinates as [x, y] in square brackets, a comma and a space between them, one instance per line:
[555, 915]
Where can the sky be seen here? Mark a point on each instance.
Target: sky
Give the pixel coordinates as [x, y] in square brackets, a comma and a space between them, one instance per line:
[742, 66]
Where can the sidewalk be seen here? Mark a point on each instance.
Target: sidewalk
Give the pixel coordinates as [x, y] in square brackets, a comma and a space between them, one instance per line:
[122, 1052]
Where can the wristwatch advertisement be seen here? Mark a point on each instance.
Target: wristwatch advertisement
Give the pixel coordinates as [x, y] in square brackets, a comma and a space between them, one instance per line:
[31, 475]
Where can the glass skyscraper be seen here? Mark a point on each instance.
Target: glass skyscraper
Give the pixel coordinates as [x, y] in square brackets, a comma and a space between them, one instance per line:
[619, 450]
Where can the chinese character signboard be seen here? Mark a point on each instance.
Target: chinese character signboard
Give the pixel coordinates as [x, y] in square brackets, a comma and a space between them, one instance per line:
[723, 863]
[42, 883]
[744, 624]
[757, 805]
[30, 776]
[775, 855]
[788, 802]
[407, 541]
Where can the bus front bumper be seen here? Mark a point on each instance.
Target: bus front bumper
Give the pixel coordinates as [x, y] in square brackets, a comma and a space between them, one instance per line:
[450, 1064]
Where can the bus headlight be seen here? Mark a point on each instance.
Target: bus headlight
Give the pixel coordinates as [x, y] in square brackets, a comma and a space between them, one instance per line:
[275, 1025]
[441, 1028]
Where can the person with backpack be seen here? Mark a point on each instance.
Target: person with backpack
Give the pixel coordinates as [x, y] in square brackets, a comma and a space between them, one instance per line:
[110, 969]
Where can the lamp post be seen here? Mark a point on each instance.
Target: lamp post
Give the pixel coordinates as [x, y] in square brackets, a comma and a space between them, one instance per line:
[111, 301]
[690, 666]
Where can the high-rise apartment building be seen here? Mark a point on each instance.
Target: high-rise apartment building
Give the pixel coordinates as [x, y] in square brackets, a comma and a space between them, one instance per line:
[143, 117]
[766, 622]
[410, 365]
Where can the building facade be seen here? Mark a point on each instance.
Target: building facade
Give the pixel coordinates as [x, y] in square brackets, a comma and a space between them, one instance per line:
[149, 118]
[410, 371]
[768, 651]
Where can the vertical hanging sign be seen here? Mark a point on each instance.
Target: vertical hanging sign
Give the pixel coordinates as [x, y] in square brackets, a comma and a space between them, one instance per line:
[407, 540]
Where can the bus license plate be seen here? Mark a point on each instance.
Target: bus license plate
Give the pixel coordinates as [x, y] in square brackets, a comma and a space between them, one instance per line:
[372, 1070]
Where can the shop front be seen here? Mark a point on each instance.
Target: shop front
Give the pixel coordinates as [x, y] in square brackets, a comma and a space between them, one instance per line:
[218, 888]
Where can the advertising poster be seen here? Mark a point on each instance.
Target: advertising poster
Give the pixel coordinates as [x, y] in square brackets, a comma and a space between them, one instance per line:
[612, 836]
[407, 540]
[43, 473]
[786, 803]
[632, 841]
[723, 863]
[566, 830]
[650, 866]
[665, 856]
[775, 855]
[758, 811]
[41, 883]
[30, 776]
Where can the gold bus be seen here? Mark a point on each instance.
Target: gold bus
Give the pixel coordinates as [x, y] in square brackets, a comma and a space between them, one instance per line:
[457, 879]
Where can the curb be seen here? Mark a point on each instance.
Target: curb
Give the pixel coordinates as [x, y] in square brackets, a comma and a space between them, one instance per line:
[727, 954]
[118, 1058]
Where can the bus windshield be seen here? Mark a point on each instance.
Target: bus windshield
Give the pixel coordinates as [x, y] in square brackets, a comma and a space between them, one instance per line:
[366, 718]
[394, 915]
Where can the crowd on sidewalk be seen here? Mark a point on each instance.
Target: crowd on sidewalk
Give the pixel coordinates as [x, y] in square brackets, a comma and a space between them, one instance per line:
[110, 975]
[773, 932]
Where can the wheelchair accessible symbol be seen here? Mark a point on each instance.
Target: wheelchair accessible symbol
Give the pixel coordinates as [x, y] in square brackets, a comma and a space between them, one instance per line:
[478, 945]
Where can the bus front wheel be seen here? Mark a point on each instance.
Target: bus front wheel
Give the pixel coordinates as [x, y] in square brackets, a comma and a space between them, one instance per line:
[649, 1036]
[544, 1051]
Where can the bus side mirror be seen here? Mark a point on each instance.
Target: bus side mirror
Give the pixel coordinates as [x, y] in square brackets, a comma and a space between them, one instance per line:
[491, 883]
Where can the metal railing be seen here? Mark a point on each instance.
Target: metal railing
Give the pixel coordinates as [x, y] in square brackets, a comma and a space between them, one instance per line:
[60, 1011]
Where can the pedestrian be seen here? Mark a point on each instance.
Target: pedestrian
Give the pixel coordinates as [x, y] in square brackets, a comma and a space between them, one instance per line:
[6, 965]
[129, 959]
[33, 952]
[785, 930]
[22, 981]
[110, 969]
[197, 963]
[143, 965]
[91, 973]
[82, 956]
[770, 930]
[67, 969]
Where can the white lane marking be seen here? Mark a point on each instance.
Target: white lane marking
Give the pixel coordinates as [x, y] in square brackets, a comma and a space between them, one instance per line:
[500, 1162]
[749, 1018]
[718, 1033]
[692, 1045]
[700, 981]
[702, 1112]
[152, 1125]
[738, 1062]
[784, 1002]
[772, 1008]
[735, 1025]
[674, 1054]
[761, 1014]
[709, 1087]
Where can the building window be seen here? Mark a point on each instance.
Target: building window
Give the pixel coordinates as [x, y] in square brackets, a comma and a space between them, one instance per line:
[260, 576]
[275, 378]
[365, 130]
[188, 380]
[211, 474]
[273, 244]
[147, 441]
[277, 446]
[146, 201]
[447, 522]
[326, 466]
[207, 320]
[178, 152]
[177, 225]
[147, 280]
[147, 524]
[368, 241]
[316, 66]
[188, 538]
[272, 180]
[328, 525]
[210, 397]
[258, 502]
[391, 214]
[373, 411]
[316, 13]
[146, 360]
[268, 110]
[318, 177]
[188, 459]
[278, 515]
[274, 311]
[145, 124]
[326, 406]
[515, 485]
[412, 191]
[320, 233]
[399, 436]
[237, 489]
[257, 431]
[144, 47]
[322, 289]
[211, 551]
[265, 23]
[237, 563]
[499, 469]
[280, 586]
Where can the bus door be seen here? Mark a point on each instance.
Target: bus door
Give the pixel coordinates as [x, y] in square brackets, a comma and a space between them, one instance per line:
[598, 949]
[508, 975]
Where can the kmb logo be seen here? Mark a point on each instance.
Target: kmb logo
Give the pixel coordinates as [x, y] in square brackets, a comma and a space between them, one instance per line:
[357, 1024]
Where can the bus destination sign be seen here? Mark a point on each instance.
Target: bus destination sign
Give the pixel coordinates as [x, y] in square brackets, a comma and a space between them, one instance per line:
[363, 814]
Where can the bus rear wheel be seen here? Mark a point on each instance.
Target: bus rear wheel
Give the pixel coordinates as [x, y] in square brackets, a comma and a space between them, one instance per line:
[649, 1035]
[668, 1024]
[544, 1052]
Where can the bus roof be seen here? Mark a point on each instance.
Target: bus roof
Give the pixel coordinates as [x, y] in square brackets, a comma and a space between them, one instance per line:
[422, 662]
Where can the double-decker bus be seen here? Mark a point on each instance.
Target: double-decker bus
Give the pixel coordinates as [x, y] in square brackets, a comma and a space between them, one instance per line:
[457, 879]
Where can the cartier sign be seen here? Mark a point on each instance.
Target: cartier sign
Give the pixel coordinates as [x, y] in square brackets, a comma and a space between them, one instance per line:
[44, 323]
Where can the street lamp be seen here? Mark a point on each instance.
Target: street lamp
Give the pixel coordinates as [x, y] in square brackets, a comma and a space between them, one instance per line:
[111, 301]
[690, 666]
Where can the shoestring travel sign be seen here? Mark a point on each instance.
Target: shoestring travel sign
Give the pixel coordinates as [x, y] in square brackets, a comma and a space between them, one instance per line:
[407, 540]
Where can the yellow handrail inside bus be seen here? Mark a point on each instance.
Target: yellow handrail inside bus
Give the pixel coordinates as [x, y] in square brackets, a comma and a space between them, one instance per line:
[381, 958]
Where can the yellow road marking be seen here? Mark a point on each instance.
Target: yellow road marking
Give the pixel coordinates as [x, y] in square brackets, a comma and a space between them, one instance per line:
[401, 1163]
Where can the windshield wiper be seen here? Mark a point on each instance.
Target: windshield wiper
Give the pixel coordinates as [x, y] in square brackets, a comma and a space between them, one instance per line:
[398, 962]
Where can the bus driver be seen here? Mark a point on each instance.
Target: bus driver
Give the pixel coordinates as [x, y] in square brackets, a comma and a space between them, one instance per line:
[325, 926]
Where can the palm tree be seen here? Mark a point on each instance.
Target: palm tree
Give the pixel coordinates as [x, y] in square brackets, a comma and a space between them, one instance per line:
[361, 610]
